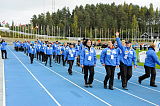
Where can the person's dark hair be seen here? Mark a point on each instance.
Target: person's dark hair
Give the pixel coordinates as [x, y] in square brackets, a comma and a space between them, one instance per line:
[104, 46]
[72, 44]
[113, 42]
[85, 43]
[127, 42]
[2, 41]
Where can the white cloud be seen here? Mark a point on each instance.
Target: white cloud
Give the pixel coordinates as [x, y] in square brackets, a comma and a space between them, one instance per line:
[21, 11]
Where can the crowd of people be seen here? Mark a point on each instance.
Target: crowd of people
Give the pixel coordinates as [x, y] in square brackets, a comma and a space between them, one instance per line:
[117, 54]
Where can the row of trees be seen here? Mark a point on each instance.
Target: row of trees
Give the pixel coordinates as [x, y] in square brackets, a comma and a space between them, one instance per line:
[89, 20]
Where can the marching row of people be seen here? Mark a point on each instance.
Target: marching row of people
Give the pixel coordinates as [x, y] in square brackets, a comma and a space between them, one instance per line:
[113, 56]
[45, 51]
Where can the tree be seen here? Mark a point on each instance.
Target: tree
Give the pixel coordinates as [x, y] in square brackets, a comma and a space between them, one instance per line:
[134, 22]
[100, 16]
[75, 25]
[34, 20]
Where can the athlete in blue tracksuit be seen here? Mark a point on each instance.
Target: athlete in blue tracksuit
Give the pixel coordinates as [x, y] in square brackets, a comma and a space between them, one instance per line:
[81, 48]
[38, 48]
[78, 53]
[88, 62]
[55, 50]
[43, 47]
[21, 46]
[109, 58]
[129, 57]
[3, 45]
[28, 45]
[64, 49]
[70, 57]
[25, 47]
[17, 45]
[32, 52]
[120, 58]
[49, 53]
[59, 53]
[149, 65]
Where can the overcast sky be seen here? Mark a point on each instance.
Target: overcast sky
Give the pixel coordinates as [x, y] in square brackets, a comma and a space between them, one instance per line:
[21, 11]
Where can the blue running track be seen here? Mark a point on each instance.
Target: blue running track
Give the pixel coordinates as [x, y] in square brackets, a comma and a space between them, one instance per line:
[39, 85]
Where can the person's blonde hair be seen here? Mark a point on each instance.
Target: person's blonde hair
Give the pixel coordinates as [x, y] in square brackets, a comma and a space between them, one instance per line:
[152, 45]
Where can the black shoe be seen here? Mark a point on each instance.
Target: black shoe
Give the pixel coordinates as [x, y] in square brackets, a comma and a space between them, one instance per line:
[50, 66]
[140, 81]
[125, 88]
[111, 88]
[90, 85]
[105, 86]
[2, 58]
[70, 73]
[118, 76]
[86, 85]
[153, 85]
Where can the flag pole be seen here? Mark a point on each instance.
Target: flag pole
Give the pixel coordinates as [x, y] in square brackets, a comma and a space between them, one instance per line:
[69, 33]
[95, 34]
[85, 32]
[18, 31]
[28, 32]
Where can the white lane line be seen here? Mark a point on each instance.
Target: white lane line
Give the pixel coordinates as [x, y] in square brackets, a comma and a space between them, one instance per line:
[125, 92]
[134, 71]
[134, 83]
[132, 75]
[77, 85]
[122, 91]
[37, 80]
[145, 79]
[4, 86]
[100, 82]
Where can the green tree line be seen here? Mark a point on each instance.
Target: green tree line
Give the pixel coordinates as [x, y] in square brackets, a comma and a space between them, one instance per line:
[97, 20]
